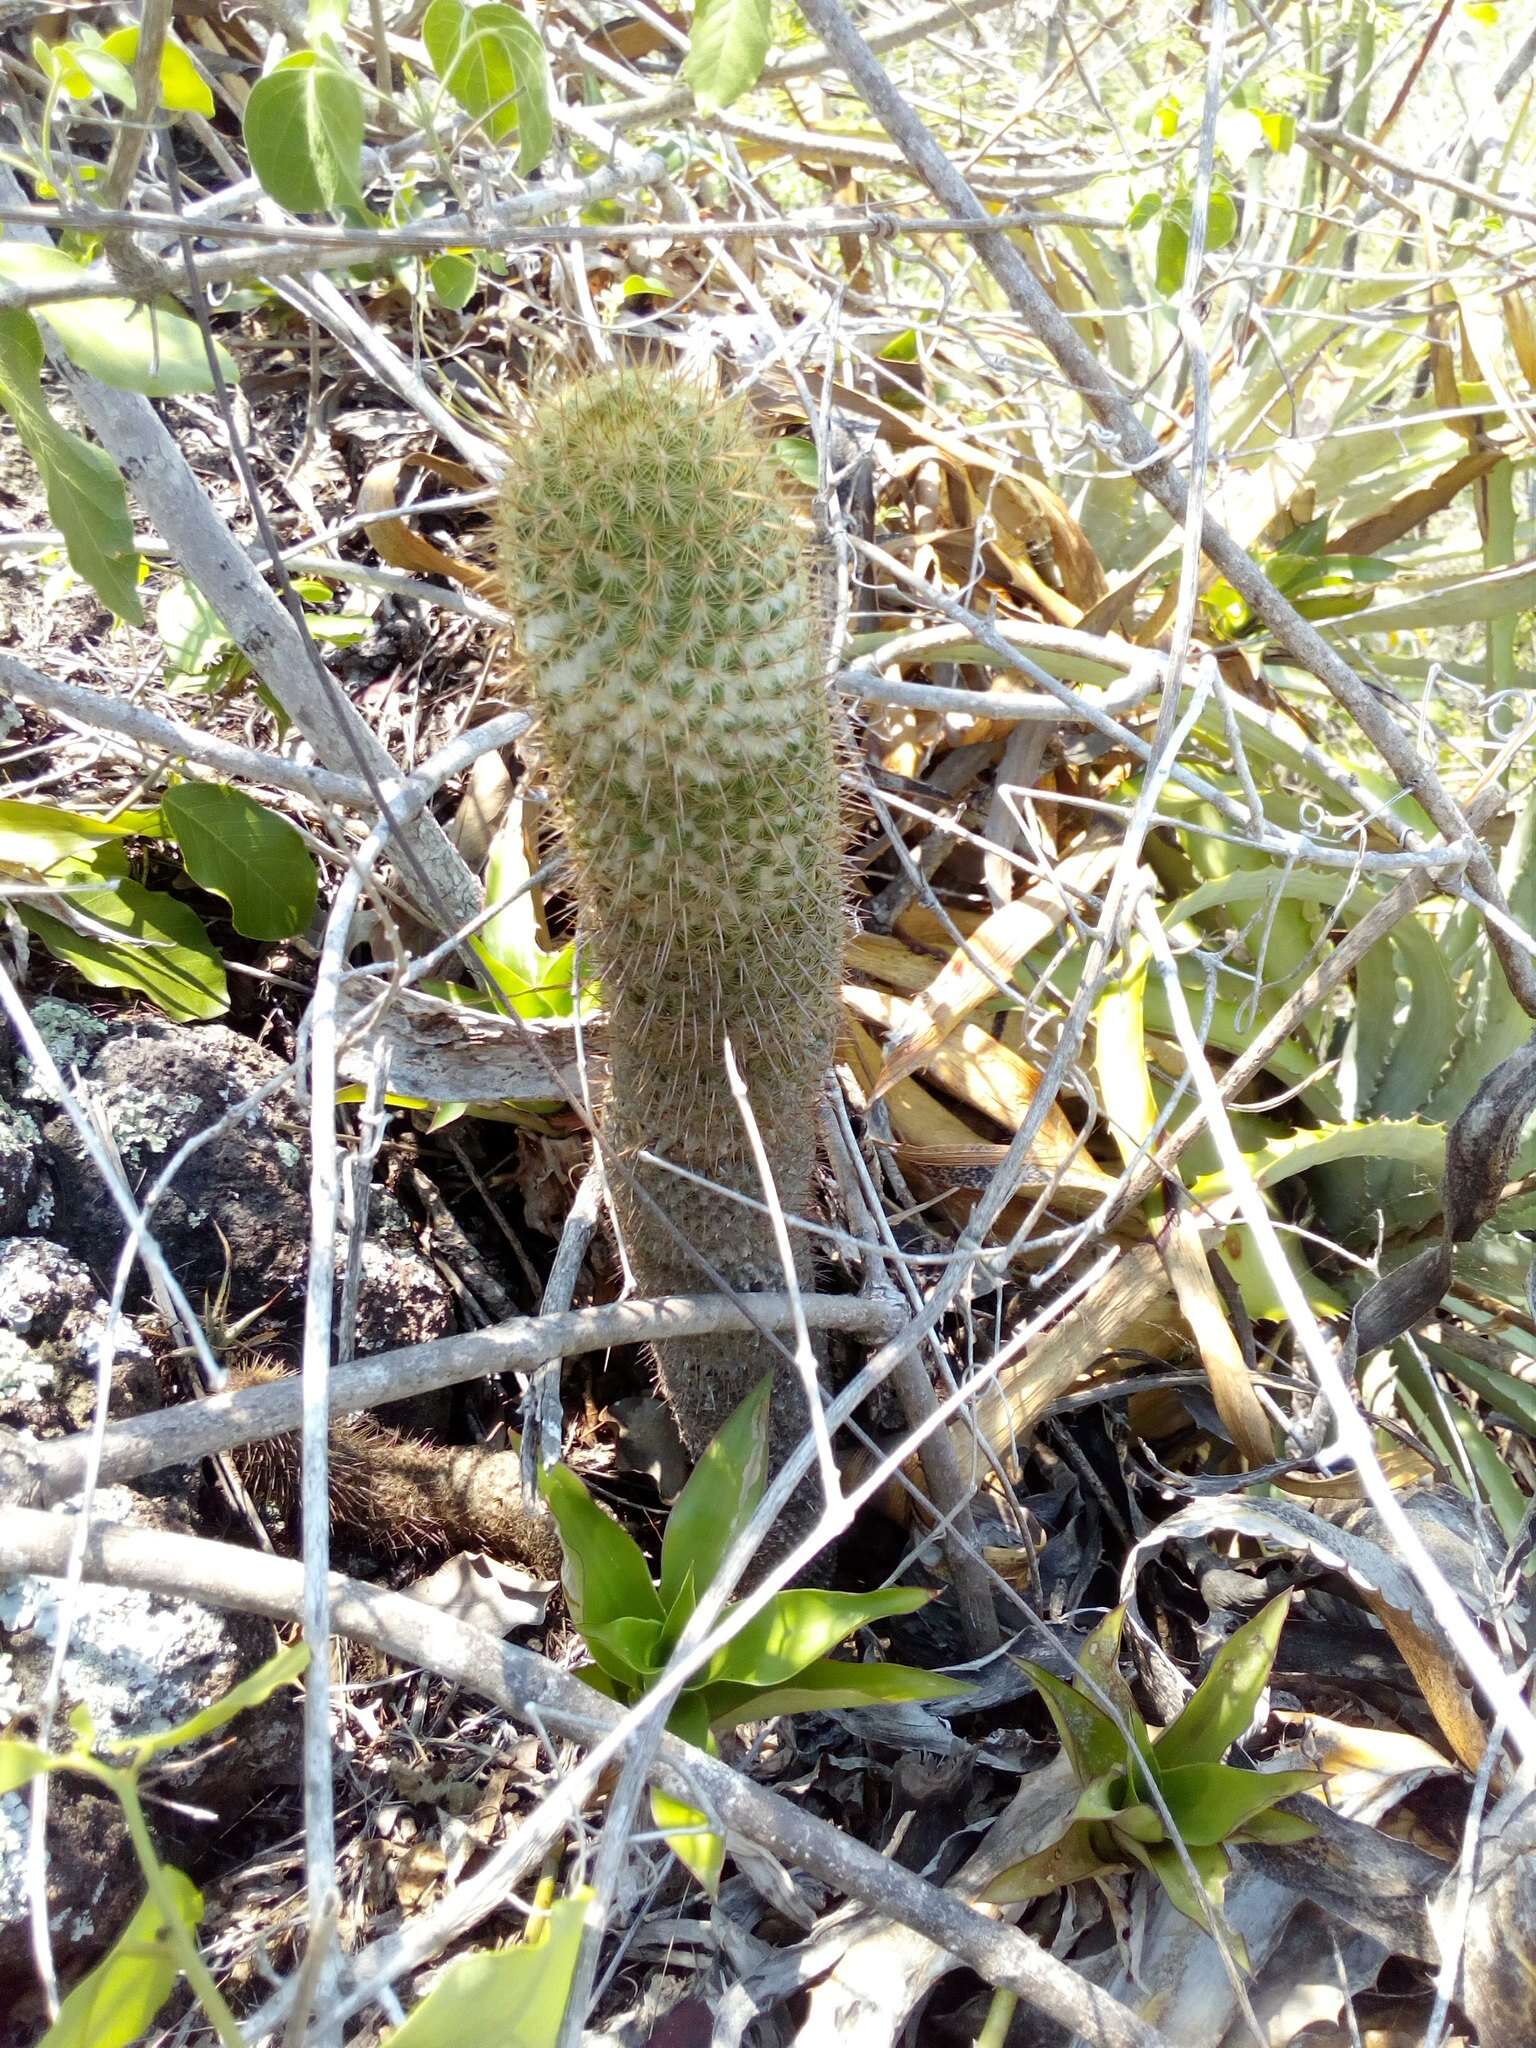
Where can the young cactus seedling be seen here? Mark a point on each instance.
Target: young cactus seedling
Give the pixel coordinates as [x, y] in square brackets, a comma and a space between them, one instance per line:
[675, 651]
[778, 1663]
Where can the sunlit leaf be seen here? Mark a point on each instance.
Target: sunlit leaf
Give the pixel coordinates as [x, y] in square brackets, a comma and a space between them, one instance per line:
[605, 1574]
[183, 88]
[247, 854]
[502, 1998]
[304, 133]
[1222, 1709]
[117, 2002]
[86, 497]
[279, 1670]
[492, 61]
[720, 1498]
[800, 1626]
[727, 49]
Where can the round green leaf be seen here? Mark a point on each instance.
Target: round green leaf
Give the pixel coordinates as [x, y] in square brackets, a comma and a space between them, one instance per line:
[183, 88]
[454, 279]
[492, 62]
[726, 50]
[304, 132]
[255, 860]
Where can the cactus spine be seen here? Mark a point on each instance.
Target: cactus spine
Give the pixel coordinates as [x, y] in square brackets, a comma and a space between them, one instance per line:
[675, 647]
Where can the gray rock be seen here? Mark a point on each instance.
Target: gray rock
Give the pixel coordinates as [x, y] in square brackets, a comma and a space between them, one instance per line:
[52, 1322]
[24, 1202]
[135, 1663]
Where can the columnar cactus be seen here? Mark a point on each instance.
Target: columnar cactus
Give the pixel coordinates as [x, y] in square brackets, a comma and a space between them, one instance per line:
[675, 646]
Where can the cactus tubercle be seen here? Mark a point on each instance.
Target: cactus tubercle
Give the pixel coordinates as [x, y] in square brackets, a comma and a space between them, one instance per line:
[666, 608]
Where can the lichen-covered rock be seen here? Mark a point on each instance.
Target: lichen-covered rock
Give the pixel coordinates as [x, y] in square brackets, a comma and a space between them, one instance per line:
[135, 1662]
[156, 1085]
[53, 1318]
[239, 1205]
[24, 1203]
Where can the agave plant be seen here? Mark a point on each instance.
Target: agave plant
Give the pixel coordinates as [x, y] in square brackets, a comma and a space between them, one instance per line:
[779, 1662]
[1166, 1802]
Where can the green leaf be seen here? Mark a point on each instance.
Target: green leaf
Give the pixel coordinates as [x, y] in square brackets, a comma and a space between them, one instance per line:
[86, 498]
[160, 948]
[1279, 131]
[726, 50]
[1220, 220]
[1094, 1745]
[1147, 208]
[1203, 1905]
[628, 1648]
[828, 1683]
[191, 631]
[37, 835]
[799, 1626]
[799, 457]
[690, 1837]
[117, 2002]
[492, 61]
[248, 855]
[605, 1574]
[719, 1500]
[1172, 253]
[1274, 1826]
[453, 279]
[502, 1998]
[183, 88]
[304, 133]
[1098, 1661]
[1222, 1708]
[152, 349]
[83, 67]
[279, 1670]
[1070, 1858]
[20, 1763]
[1211, 1803]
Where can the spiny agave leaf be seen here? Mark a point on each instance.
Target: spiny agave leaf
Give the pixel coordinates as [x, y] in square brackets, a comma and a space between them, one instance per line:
[1221, 1711]
[604, 1572]
[831, 1682]
[798, 1627]
[1094, 1745]
[1212, 1803]
[717, 1503]
[1280, 1159]
[1072, 1857]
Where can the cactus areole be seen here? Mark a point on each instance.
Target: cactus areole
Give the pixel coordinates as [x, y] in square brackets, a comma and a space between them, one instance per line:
[675, 644]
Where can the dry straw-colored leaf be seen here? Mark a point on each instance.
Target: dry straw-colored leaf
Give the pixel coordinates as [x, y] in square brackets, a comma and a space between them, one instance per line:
[973, 972]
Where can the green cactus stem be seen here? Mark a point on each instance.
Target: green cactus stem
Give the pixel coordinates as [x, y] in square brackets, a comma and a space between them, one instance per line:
[665, 604]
